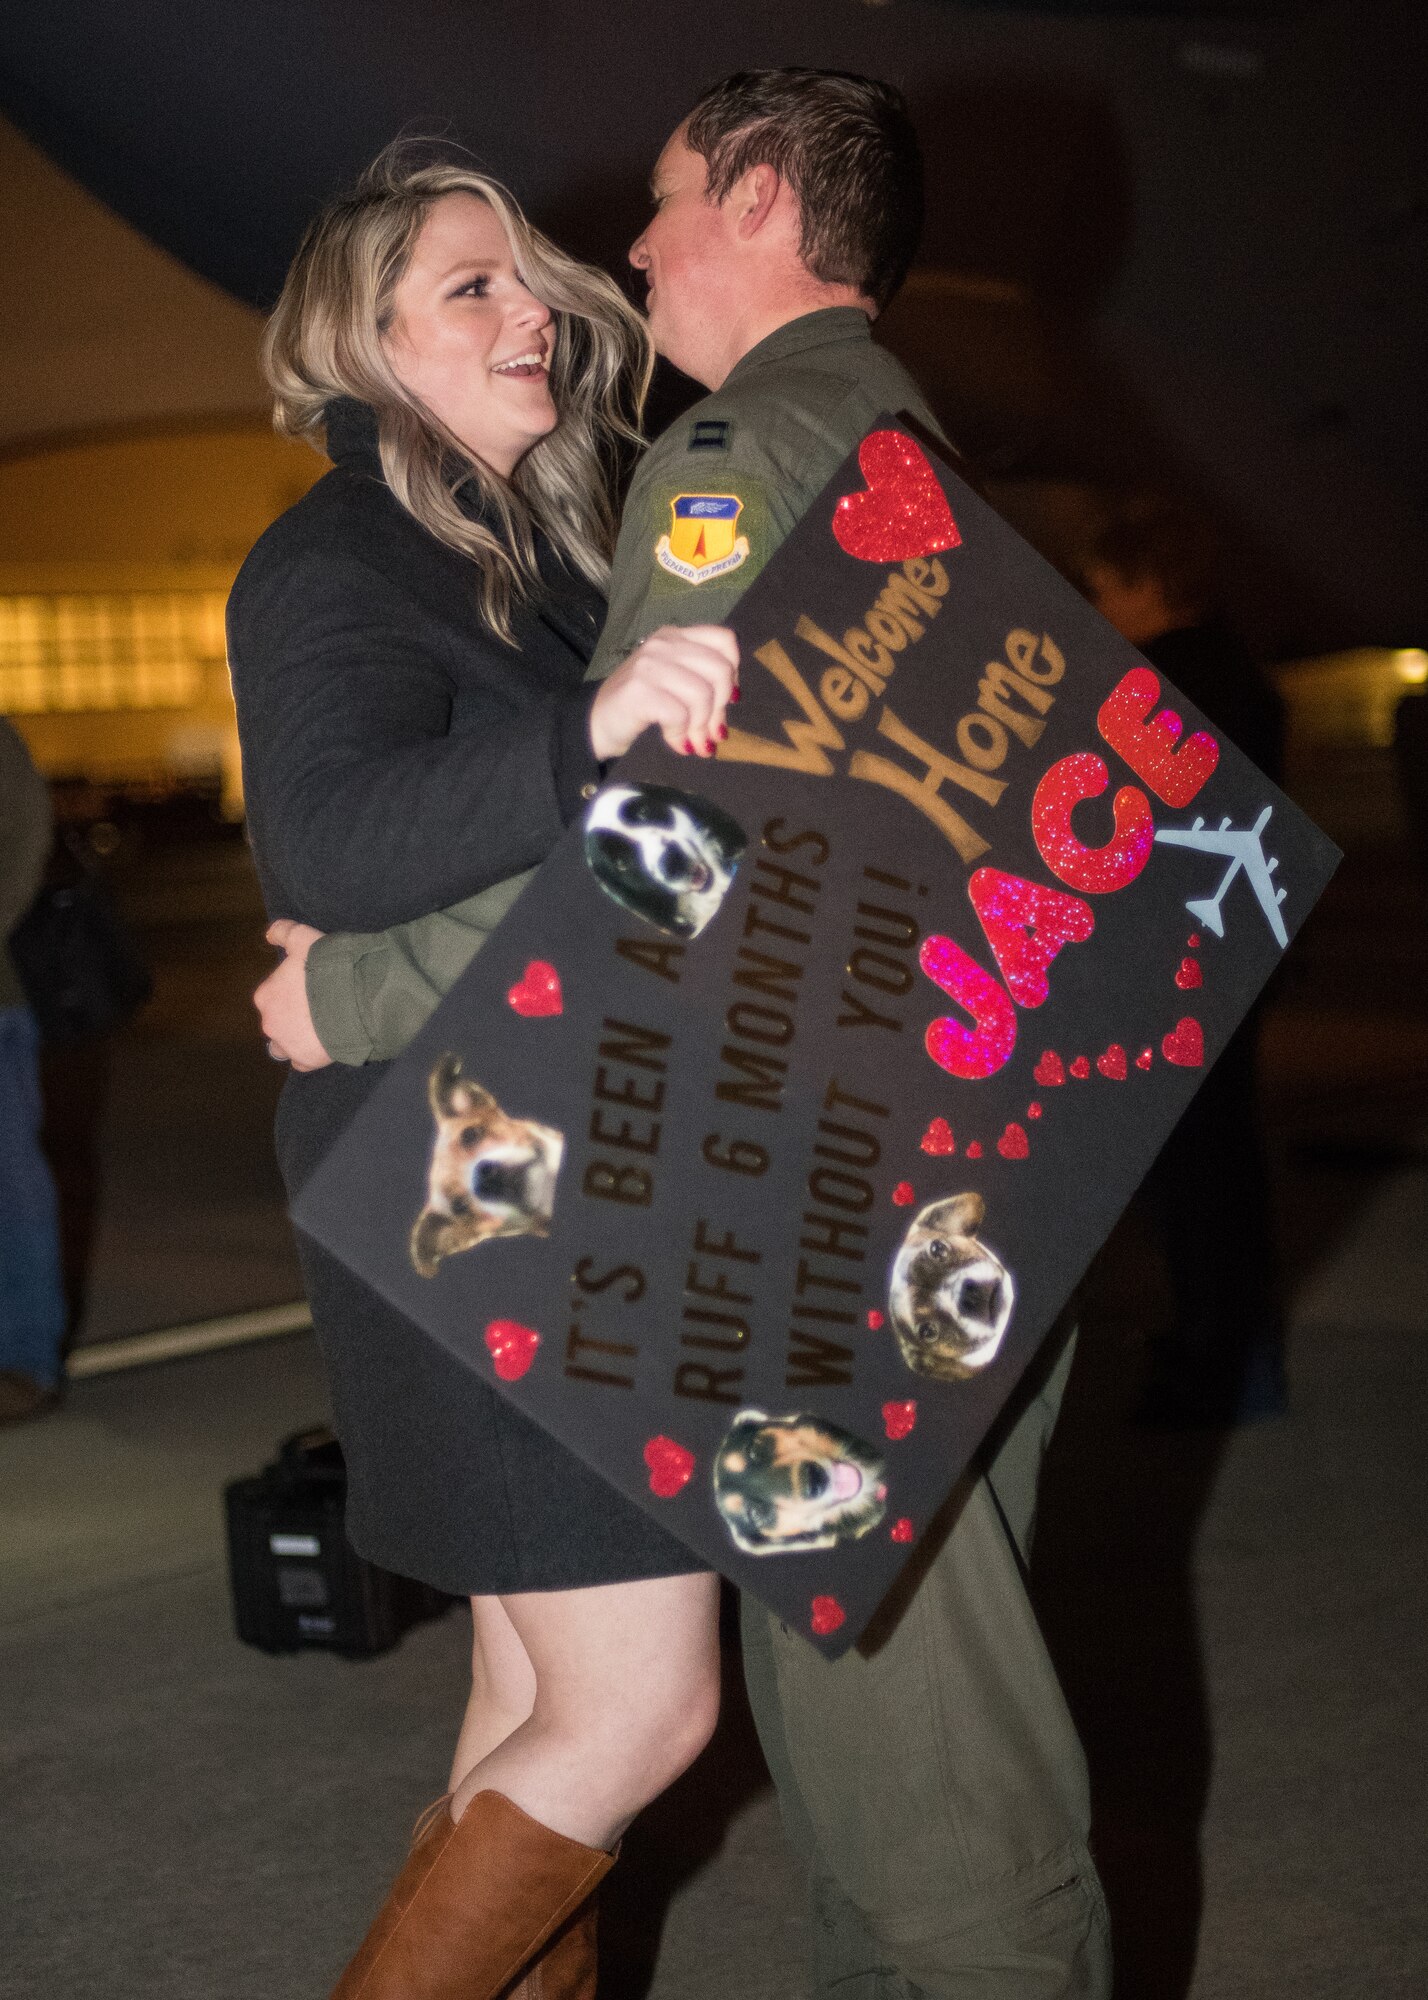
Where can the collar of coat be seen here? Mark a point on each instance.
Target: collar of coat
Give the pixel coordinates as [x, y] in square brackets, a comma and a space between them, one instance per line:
[351, 439]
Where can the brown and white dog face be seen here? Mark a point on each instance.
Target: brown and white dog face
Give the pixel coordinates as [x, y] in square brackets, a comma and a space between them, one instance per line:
[796, 1482]
[951, 1297]
[491, 1175]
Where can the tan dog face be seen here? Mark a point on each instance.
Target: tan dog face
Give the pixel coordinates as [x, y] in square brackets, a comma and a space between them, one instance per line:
[951, 1297]
[788, 1483]
[491, 1175]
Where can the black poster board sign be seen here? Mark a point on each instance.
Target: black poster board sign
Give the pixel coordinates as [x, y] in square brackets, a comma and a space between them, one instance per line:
[769, 1133]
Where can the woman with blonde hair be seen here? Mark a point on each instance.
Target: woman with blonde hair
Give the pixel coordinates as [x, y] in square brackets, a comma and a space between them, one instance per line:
[408, 646]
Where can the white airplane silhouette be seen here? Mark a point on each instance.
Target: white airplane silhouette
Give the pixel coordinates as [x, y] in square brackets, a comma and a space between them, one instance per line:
[1245, 849]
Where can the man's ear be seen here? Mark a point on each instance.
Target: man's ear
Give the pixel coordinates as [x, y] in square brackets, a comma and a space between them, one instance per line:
[753, 197]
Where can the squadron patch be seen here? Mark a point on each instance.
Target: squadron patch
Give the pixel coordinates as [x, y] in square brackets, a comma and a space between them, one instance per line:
[703, 539]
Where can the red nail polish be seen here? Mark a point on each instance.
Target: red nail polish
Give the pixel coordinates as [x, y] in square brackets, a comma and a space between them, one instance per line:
[688, 748]
[735, 695]
[722, 731]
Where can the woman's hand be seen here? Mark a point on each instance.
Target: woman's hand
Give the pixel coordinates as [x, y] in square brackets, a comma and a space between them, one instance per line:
[281, 1000]
[680, 681]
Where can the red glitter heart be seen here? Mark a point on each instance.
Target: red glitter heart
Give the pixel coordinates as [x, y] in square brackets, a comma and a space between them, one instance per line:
[1014, 1144]
[825, 1615]
[899, 1418]
[1193, 940]
[1033, 1110]
[512, 1347]
[1112, 1063]
[938, 1138]
[974, 1151]
[1185, 1045]
[904, 1193]
[1189, 974]
[903, 1530]
[875, 1318]
[1050, 1070]
[670, 1466]
[537, 991]
[903, 513]
[1081, 1069]
[1145, 1059]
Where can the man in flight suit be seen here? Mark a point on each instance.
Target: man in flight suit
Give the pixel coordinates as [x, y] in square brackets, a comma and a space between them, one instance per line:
[930, 1780]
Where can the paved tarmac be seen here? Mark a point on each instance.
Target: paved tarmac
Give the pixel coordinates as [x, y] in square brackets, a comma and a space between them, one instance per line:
[1239, 1622]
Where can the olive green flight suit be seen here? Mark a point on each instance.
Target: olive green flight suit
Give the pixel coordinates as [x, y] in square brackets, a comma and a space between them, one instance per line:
[931, 1780]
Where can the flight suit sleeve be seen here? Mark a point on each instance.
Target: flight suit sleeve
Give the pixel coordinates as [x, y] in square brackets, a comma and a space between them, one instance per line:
[707, 508]
[369, 992]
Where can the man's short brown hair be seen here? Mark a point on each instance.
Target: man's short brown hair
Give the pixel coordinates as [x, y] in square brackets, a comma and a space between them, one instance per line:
[1157, 537]
[847, 148]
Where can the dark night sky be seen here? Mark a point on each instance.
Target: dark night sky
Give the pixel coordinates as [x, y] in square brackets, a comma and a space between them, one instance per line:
[1231, 212]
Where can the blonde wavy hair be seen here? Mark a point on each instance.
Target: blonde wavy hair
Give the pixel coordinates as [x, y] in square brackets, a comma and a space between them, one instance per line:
[326, 339]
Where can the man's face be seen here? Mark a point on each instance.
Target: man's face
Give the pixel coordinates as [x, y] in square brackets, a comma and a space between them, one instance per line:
[684, 253]
[1136, 606]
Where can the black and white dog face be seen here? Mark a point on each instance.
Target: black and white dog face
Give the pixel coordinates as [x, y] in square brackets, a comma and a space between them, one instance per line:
[666, 855]
[951, 1297]
[796, 1482]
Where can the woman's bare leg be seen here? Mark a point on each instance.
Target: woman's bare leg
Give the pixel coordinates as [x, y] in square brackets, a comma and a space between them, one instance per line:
[626, 1696]
[502, 1687]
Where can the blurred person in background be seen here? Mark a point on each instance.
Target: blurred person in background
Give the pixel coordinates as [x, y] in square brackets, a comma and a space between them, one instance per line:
[32, 1306]
[1151, 573]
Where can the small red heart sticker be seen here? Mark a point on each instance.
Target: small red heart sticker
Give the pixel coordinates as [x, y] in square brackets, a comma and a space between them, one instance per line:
[875, 1318]
[902, 1531]
[1145, 1059]
[1193, 940]
[1112, 1063]
[1049, 1071]
[825, 1615]
[1188, 974]
[512, 1347]
[1033, 1110]
[1081, 1069]
[1185, 1045]
[938, 1138]
[537, 991]
[903, 513]
[974, 1151]
[899, 1418]
[904, 1193]
[1013, 1144]
[671, 1467]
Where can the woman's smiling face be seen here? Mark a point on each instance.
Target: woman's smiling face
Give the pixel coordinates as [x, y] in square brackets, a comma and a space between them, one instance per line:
[467, 338]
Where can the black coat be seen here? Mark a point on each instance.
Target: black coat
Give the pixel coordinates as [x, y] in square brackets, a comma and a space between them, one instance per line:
[398, 757]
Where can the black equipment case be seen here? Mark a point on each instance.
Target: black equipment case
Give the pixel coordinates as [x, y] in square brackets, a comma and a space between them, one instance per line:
[297, 1581]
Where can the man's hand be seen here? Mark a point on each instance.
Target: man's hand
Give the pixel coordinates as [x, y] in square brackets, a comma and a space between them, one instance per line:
[281, 1000]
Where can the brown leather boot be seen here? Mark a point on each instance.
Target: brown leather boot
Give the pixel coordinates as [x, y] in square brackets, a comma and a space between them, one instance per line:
[566, 1969]
[475, 1902]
